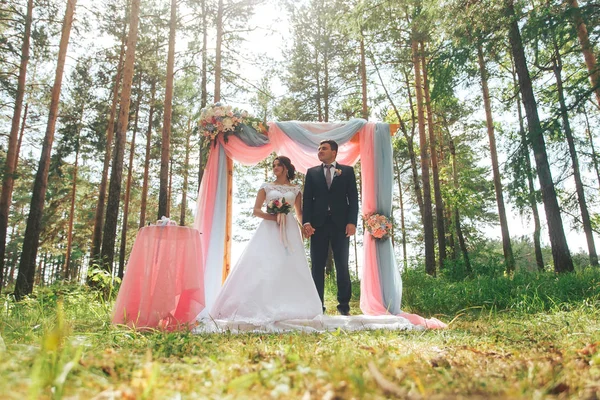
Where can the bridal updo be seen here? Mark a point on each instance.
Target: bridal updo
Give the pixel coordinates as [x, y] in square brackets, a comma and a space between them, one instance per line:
[291, 170]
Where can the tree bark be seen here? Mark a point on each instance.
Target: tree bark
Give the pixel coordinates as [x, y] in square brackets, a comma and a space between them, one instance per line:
[116, 176]
[509, 259]
[411, 147]
[459, 232]
[585, 215]
[558, 242]
[123, 244]
[588, 131]
[363, 79]
[402, 222]
[110, 130]
[73, 199]
[163, 195]
[586, 48]
[204, 90]
[12, 152]
[537, 227]
[26, 274]
[218, 54]
[427, 211]
[185, 175]
[439, 203]
[147, 157]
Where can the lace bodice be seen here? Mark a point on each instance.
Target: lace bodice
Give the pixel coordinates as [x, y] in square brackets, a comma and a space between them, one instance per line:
[275, 191]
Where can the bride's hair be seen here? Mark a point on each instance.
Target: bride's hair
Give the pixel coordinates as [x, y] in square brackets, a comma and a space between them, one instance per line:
[291, 170]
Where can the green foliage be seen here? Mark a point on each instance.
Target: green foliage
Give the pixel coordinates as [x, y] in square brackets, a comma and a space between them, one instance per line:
[524, 292]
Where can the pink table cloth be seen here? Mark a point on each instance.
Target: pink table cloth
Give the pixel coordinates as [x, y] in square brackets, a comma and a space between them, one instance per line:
[163, 286]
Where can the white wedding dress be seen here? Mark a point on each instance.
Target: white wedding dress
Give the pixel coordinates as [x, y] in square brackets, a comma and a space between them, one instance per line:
[271, 280]
[271, 289]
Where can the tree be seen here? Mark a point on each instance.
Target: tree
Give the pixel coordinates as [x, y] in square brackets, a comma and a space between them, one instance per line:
[26, 274]
[114, 191]
[12, 153]
[163, 199]
[427, 211]
[560, 249]
[506, 246]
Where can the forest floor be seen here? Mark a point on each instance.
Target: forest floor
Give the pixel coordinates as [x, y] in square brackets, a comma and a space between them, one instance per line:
[60, 344]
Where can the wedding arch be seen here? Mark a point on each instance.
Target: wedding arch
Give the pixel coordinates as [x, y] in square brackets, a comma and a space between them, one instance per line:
[381, 285]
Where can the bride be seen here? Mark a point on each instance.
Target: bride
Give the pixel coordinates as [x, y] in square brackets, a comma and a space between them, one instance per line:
[271, 281]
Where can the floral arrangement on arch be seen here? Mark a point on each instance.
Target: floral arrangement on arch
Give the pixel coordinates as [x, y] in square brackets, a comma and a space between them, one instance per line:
[220, 118]
[378, 225]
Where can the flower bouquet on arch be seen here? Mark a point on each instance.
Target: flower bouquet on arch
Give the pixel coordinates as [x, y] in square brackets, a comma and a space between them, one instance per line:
[220, 118]
[378, 225]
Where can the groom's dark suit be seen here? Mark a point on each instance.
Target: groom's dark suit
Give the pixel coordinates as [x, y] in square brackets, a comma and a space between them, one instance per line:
[329, 211]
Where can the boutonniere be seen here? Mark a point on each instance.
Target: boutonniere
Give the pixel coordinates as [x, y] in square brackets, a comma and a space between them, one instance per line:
[338, 172]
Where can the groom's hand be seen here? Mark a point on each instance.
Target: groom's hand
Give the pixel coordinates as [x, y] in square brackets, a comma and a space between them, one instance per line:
[350, 230]
[308, 230]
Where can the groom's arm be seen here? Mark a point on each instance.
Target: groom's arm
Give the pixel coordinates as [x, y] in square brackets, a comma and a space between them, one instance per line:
[352, 195]
[307, 197]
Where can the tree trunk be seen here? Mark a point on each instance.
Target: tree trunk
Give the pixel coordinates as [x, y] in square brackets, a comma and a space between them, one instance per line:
[588, 131]
[170, 185]
[204, 90]
[319, 91]
[116, 176]
[402, 223]
[326, 87]
[26, 274]
[110, 129]
[73, 199]
[459, 232]
[147, 158]
[539, 258]
[12, 153]
[427, 212]
[363, 78]
[185, 175]
[411, 147]
[585, 215]
[439, 204]
[560, 249]
[407, 136]
[586, 47]
[163, 195]
[123, 244]
[509, 259]
[218, 54]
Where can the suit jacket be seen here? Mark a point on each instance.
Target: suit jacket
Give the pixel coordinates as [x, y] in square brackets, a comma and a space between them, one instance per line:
[341, 199]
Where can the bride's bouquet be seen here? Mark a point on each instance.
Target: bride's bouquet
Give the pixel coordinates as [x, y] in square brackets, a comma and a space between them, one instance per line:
[279, 206]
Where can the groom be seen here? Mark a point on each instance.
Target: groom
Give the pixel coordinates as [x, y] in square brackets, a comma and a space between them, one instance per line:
[330, 213]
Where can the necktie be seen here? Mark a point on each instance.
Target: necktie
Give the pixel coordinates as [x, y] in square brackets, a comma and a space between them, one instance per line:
[328, 174]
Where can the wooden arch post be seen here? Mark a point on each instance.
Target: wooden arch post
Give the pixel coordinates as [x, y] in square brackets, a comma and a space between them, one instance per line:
[228, 220]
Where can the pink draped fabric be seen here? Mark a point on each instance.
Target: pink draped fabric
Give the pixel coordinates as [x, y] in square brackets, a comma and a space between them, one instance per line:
[429, 323]
[348, 153]
[163, 286]
[371, 301]
[206, 201]
[237, 150]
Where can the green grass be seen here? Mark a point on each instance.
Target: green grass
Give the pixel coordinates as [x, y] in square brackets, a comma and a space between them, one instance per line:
[530, 336]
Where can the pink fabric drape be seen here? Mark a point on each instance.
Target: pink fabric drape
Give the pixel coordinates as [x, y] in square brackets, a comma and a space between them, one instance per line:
[206, 201]
[164, 282]
[238, 151]
[371, 301]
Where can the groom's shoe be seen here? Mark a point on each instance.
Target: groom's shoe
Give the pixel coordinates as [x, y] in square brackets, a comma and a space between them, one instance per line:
[343, 311]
